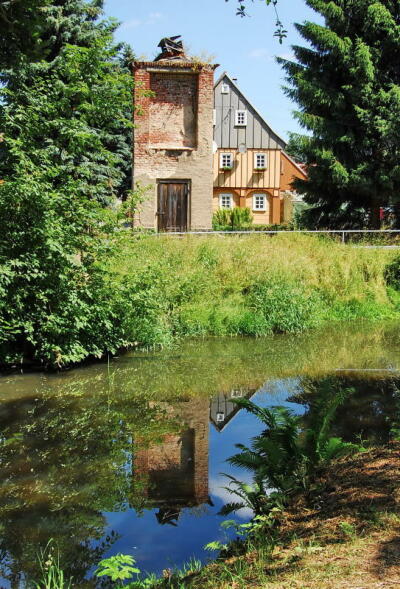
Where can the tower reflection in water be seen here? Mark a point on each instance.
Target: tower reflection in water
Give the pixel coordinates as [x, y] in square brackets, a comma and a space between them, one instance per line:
[175, 469]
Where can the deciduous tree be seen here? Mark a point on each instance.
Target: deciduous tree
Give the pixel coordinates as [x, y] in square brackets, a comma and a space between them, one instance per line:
[66, 122]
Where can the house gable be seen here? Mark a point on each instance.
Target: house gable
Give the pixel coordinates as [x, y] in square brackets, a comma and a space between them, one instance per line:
[256, 134]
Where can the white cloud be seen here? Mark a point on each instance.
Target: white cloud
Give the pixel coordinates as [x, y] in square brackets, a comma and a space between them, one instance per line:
[151, 19]
[131, 24]
[260, 53]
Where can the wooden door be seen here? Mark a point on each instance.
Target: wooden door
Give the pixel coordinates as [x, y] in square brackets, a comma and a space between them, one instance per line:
[173, 205]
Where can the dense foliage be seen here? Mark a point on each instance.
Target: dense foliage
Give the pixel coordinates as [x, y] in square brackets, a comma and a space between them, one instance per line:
[347, 86]
[285, 455]
[66, 121]
[37, 30]
[250, 285]
[232, 219]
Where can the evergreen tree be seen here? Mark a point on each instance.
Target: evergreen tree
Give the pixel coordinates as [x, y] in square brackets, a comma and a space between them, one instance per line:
[348, 88]
[38, 29]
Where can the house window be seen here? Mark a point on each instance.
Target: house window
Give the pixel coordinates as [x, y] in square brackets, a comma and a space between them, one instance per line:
[260, 161]
[241, 118]
[226, 160]
[259, 202]
[225, 89]
[214, 117]
[220, 417]
[225, 201]
[236, 394]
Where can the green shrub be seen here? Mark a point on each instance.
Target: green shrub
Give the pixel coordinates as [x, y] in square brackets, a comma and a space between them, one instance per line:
[285, 307]
[232, 219]
[221, 218]
[283, 459]
[392, 273]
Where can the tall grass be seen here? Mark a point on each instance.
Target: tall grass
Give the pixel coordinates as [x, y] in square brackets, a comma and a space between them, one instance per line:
[250, 285]
[52, 575]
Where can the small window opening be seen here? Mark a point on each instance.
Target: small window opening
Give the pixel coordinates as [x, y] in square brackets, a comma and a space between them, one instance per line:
[241, 118]
[226, 161]
[259, 202]
[225, 201]
[260, 161]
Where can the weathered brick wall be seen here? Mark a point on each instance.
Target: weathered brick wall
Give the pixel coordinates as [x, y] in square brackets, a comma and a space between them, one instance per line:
[172, 453]
[173, 136]
[173, 110]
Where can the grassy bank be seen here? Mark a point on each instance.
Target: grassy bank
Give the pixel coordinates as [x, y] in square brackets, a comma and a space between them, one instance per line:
[252, 285]
[345, 533]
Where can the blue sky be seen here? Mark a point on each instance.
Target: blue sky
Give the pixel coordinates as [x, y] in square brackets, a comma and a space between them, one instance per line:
[244, 47]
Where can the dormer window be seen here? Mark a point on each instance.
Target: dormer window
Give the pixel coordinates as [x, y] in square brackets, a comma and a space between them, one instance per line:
[260, 161]
[226, 161]
[225, 89]
[220, 417]
[241, 118]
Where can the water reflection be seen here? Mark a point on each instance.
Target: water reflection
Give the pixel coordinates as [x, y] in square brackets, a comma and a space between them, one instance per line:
[176, 468]
[128, 459]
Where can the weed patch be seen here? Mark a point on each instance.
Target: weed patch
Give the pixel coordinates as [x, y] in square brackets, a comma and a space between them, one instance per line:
[252, 285]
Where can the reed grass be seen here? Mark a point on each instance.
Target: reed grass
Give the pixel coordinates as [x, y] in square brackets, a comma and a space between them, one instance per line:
[249, 285]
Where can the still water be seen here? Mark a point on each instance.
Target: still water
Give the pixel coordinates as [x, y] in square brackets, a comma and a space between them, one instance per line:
[128, 457]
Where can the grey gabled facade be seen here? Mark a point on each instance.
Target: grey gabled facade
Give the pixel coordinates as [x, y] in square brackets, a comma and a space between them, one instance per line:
[250, 167]
[256, 134]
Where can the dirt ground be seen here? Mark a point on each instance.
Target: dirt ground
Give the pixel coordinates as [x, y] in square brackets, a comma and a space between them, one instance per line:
[344, 535]
[350, 531]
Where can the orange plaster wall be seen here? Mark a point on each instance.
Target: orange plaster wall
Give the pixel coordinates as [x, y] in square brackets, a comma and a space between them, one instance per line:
[246, 200]
[260, 217]
[289, 172]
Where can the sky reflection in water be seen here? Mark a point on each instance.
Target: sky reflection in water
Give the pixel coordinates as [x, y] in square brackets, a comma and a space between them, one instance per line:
[121, 449]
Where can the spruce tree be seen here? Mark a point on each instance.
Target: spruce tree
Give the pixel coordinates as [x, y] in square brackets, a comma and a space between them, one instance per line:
[36, 30]
[347, 85]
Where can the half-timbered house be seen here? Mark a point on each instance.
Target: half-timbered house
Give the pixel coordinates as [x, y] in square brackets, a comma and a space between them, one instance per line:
[251, 168]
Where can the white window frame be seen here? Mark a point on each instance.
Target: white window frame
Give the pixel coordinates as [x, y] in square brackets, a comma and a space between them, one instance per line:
[239, 122]
[222, 196]
[257, 164]
[236, 394]
[223, 163]
[214, 116]
[256, 206]
[225, 89]
[220, 417]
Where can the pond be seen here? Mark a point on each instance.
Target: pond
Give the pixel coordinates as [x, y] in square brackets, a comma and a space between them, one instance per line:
[128, 456]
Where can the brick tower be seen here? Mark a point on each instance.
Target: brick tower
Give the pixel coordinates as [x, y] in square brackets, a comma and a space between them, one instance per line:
[173, 139]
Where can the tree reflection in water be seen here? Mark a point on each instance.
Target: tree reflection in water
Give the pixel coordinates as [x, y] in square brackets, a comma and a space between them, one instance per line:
[77, 446]
[65, 460]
